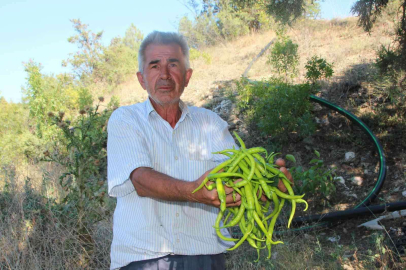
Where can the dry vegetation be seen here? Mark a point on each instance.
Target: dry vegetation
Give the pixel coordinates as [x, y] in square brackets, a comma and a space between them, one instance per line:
[32, 238]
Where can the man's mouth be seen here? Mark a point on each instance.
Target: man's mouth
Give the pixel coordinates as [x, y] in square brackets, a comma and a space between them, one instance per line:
[165, 87]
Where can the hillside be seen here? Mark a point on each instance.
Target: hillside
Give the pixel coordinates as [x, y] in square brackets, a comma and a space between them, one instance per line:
[338, 41]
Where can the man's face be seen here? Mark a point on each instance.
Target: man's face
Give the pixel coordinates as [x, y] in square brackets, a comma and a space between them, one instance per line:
[165, 75]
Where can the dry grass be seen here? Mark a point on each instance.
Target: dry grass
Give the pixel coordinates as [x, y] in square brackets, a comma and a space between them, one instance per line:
[32, 236]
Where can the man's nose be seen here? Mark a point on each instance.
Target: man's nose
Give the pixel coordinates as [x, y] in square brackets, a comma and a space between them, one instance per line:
[165, 73]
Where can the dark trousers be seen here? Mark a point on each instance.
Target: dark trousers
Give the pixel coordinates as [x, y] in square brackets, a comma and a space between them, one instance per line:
[181, 262]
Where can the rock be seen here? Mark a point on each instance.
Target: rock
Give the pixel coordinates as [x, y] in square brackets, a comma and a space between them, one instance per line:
[404, 193]
[348, 267]
[308, 141]
[309, 237]
[357, 180]
[317, 107]
[232, 117]
[347, 193]
[232, 126]
[237, 121]
[224, 108]
[365, 164]
[349, 156]
[340, 179]
[325, 121]
[334, 239]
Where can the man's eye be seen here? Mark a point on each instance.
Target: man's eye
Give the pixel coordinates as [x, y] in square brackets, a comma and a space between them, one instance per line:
[172, 65]
[154, 66]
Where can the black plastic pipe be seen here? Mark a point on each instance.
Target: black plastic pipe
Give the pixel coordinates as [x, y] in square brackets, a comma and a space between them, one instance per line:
[352, 213]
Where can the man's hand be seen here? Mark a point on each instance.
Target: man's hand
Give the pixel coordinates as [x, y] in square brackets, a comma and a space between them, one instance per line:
[210, 197]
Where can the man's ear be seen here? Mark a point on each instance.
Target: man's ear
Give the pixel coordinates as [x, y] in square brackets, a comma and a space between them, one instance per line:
[188, 75]
[141, 80]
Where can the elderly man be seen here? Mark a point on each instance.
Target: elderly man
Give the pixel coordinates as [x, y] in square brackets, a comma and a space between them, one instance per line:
[159, 151]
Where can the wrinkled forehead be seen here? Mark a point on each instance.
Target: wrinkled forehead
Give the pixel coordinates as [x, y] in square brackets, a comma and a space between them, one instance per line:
[163, 51]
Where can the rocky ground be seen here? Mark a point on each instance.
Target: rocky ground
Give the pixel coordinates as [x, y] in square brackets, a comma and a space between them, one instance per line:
[348, 151]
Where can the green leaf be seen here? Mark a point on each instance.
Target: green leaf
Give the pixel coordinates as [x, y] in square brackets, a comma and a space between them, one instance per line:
[290, 158]
[317, 153]
[314, 161]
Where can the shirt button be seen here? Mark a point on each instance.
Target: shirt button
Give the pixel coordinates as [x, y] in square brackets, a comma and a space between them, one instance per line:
[177, 214]
[177, 240]
[176, 157]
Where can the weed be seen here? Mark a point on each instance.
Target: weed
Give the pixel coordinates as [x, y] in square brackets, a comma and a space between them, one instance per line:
[316, 180]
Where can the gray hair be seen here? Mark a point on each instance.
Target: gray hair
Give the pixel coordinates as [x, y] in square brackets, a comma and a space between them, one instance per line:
[163, 38]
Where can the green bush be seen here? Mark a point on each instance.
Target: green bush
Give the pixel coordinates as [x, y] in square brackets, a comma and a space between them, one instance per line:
[317, 180]
[84, 158]
[284, 57]
[276, 108]
[17, 141]
[196, 54]
[231, 26]
[318, 68]
[201, 32]
[220, 21]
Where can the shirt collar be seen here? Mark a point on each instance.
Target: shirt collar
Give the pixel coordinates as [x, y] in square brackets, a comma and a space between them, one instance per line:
[183, 107]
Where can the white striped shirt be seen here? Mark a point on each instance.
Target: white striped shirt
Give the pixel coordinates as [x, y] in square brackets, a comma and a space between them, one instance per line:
[146, 228]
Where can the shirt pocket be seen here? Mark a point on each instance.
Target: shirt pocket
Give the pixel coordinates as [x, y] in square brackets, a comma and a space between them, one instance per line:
[196, 146]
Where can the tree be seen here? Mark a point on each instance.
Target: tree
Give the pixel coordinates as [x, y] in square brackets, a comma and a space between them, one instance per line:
[91, 50]
[284, 57]
[218, 20]
[390, 61]
[95, 63]
[45, 93]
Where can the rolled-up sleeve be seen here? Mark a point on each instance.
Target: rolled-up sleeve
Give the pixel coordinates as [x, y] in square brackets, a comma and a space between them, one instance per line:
[126, 150]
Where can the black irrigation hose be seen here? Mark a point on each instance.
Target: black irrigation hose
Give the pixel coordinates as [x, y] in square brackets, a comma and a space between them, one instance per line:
[382, 162]
[324, 218]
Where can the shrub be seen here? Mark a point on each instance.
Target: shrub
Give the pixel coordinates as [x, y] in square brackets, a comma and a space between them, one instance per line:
[284, 56]
[317, 180]
[84, 158]
[277, 108]
[196, 54]
[318, 68]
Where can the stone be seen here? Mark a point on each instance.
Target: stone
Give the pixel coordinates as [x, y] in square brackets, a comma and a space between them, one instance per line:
[349, 194]
[309, 237]
[334, 239]
[340, 179]
[404, 193]
[231, 126]
[317, 107]
[357, 180]
[349, 156]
